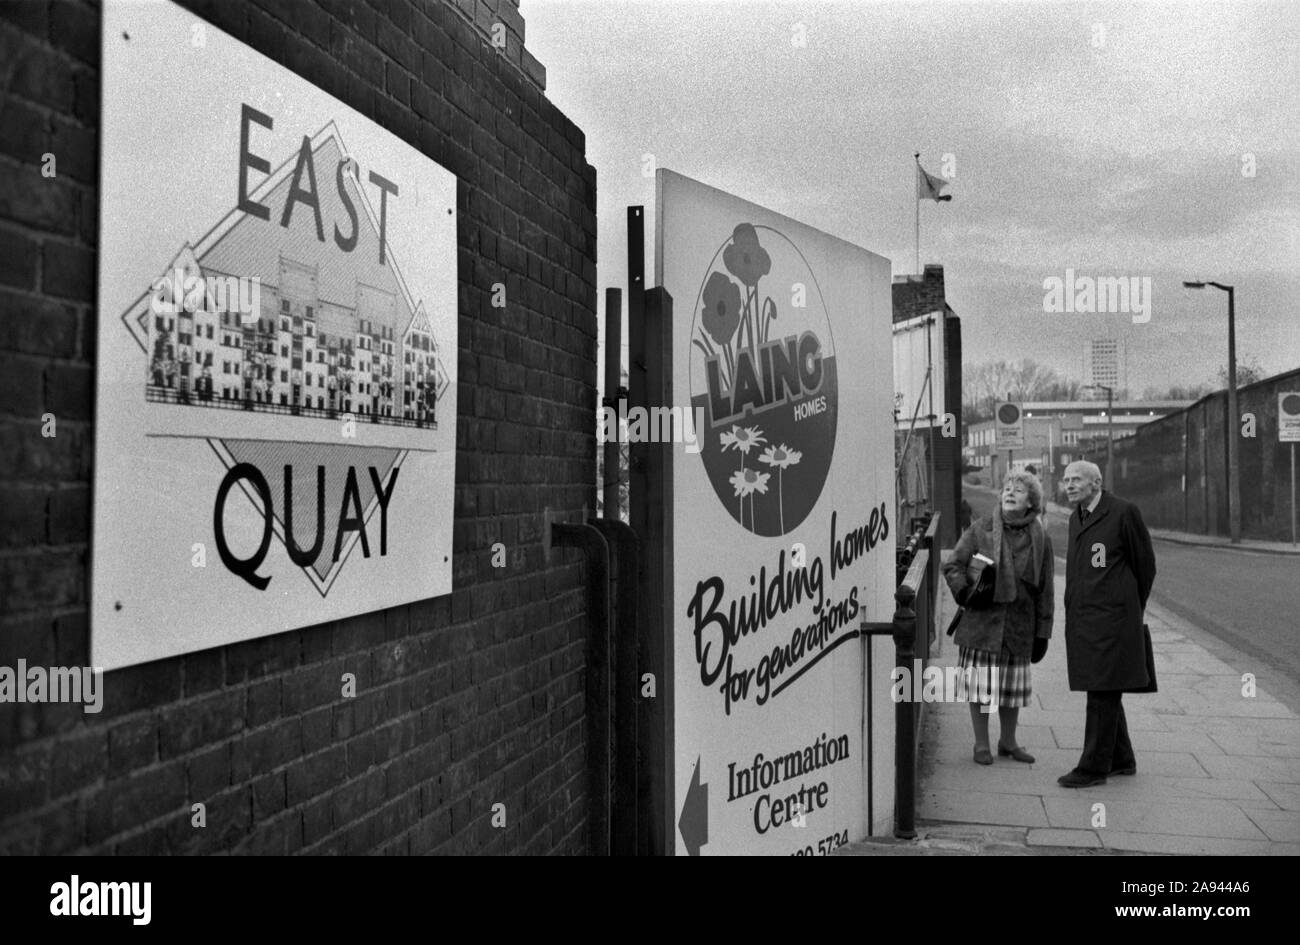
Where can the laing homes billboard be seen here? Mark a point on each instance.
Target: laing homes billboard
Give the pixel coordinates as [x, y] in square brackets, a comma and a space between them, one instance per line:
[782, 531]
[276, 421]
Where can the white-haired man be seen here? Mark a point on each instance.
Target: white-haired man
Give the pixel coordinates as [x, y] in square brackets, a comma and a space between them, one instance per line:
[1110, 567]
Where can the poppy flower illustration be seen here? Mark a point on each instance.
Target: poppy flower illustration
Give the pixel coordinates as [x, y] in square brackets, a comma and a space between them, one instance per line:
[781, 458]
[745, 258]
[721, 307]
[746, 483]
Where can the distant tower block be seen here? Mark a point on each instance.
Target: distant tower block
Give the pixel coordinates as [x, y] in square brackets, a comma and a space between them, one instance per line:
[1104, 364]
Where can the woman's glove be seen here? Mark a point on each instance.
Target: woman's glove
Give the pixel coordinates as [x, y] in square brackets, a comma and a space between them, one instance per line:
[961, 595]
[1040, 649]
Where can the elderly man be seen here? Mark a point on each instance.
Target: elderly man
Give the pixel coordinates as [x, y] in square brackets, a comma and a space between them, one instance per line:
[1109, 570]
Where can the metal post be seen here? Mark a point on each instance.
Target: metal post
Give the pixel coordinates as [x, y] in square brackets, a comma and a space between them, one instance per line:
[613, 474]
[599, 650]
[1110, 438]
[929, 371]
[626, 683]
[916, 187]
[1234, 432]
[904, 719]
[1187, 420]
[1293, 517]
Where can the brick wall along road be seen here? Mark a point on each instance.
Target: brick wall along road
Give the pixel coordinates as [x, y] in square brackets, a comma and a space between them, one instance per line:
[462, 702]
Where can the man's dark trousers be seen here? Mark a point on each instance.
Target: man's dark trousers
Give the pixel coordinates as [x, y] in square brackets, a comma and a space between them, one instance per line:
[1106, 746]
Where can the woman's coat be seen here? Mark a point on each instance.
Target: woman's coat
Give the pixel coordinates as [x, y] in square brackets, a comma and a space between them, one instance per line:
[986, 628]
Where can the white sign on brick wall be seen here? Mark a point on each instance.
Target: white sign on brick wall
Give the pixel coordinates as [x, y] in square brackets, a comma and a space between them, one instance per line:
[276, 413]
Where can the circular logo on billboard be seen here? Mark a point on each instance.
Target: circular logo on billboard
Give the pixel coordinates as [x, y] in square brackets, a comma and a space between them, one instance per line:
[1291, 405]
[763, 372]
[1009, 414]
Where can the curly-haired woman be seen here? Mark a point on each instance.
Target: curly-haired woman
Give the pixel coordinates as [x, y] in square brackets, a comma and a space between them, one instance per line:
[998, 639]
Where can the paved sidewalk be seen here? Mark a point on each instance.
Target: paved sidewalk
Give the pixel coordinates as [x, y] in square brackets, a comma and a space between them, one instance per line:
[1218, 773]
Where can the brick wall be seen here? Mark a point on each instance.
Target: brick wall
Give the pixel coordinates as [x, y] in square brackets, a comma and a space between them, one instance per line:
[919, 295]
[463, 702]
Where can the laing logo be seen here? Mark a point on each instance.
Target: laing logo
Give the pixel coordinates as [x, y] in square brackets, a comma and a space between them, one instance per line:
[102, 899]
[763, 370]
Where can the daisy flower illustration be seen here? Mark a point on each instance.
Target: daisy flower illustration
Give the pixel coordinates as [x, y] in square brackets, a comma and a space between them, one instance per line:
[746, 483]
[743, 439]
[781, 458]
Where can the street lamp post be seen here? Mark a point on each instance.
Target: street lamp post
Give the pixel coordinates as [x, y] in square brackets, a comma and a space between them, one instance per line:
[1234, 418]
[1110, 433]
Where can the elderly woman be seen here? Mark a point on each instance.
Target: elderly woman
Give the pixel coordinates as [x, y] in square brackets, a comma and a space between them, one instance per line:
[999, 638]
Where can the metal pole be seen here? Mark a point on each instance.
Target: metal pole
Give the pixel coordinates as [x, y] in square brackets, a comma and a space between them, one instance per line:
[929, 373]
[613, 473]
[1187, 419]
[904, 718]
[1234, 418]
[1110, 438]
[1293, 541]
[916, 187]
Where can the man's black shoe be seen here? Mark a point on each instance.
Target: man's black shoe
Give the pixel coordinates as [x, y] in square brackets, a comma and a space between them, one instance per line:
[1080, 779]
[1128, 769]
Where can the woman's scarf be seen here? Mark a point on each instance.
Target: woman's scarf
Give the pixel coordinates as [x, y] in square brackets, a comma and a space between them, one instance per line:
[1004, 590]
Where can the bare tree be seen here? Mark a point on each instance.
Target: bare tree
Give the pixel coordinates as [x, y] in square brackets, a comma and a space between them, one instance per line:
[1248, 372]
[986, 384]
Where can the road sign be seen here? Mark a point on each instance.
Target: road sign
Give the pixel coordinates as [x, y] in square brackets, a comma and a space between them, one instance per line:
[1288, 417]
[1009, 427]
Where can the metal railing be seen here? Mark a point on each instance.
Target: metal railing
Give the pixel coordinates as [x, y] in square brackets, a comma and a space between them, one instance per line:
[913, 630]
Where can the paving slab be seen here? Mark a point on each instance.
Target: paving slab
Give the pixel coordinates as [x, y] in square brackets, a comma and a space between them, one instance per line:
[1243, 793]
[981, 807]
[1286, 731]
[1193, 846]
[1177, 816]
[1285, 796]
[1280, 826]
[1229, 705]
[1246, 744]
[1256, 768]
[1072, 738]
[1056, 837]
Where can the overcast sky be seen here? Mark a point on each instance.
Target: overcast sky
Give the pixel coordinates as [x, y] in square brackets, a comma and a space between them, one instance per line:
[1105, 138]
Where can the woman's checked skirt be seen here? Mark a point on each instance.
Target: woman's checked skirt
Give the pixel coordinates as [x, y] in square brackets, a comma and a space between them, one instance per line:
[981, 676]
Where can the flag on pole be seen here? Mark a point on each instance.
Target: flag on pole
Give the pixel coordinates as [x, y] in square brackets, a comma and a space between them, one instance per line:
[928, 186]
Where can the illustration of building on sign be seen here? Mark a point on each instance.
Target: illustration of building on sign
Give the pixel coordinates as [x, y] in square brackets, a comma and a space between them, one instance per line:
[324, 333]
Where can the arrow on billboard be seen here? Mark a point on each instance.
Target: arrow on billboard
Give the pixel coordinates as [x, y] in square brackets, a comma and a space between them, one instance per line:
[694, 823]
